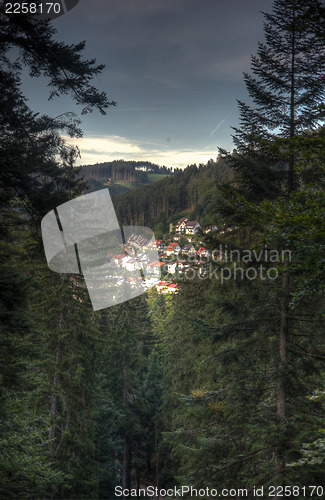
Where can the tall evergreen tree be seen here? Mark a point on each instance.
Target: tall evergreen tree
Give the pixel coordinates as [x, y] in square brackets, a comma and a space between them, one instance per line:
[131, 383]
[264, 375]
[39, 388]
[287, 88]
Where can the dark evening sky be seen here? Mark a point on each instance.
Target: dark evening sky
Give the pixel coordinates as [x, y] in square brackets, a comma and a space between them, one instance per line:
[175, 68]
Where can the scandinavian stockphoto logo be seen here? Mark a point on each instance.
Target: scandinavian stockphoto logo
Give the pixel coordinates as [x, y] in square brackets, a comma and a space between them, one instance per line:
[83, 236]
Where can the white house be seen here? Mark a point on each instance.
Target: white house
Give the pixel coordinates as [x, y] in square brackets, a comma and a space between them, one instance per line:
[191, 227]
[118, 259]
[172, 267]
[181, 225]
[132, 265]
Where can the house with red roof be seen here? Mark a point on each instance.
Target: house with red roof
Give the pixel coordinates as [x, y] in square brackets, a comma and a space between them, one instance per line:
[173, 248]
[156, 267]
[167, 287]
[118, 259]
[202, 252]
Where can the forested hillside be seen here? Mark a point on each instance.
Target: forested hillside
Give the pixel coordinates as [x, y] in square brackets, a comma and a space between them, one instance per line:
[121, 175]
[194, 190]
[218, 386]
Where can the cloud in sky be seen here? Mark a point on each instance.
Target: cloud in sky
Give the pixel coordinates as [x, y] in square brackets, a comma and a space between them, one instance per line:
[99, 146]
[174, 68]
[98, 149]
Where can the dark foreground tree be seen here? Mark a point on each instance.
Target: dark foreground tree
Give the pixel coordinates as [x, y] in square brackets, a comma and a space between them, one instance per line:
[129, 376]
[268, 344]
[30, 143]
[278, 151]
[40, 387]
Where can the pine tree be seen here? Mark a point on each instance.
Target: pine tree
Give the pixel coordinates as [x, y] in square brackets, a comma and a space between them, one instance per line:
[129, 380]
[287, 86]
[287, 90]
[267, 348]
[47, 380]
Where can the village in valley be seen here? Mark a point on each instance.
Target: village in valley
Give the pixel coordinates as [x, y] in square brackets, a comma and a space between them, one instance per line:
[161, 262]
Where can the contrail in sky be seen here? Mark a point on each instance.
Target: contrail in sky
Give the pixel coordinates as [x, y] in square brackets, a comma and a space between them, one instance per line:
[219, 124]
